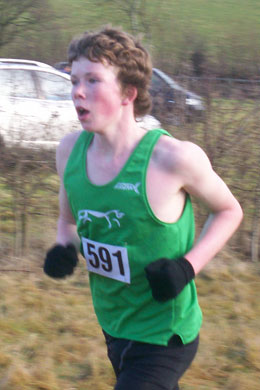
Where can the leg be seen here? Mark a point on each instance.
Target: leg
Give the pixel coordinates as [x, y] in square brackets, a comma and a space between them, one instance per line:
[142, 366]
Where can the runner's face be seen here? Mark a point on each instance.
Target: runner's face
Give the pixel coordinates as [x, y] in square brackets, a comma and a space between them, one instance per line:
[96, 93]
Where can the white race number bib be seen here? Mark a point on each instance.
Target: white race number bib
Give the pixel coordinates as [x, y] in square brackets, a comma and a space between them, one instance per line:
[110, 261]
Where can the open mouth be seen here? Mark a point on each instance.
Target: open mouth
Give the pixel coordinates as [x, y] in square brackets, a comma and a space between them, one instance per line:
[82, 112]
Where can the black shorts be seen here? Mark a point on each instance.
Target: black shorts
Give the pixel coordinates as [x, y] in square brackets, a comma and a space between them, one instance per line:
[143, 366]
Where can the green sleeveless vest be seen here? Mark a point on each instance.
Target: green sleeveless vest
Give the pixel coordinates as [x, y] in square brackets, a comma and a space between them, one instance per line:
[120, 235]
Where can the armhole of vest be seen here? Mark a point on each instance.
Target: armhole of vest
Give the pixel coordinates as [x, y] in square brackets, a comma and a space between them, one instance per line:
[75, 148]
[154, 141]
[152, 145]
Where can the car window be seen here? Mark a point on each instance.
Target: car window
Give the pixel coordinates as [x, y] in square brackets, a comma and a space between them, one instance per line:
[54, 87]
[5, 82]
[157, 83]
[159, 86]
[17, 83]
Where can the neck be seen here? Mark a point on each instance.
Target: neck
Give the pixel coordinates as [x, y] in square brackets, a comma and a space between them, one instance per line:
[119, 141]
[107, 154]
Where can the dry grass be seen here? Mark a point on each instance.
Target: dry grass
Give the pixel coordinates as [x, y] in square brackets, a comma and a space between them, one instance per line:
[228, 357]
[50, 339]
[49, 335]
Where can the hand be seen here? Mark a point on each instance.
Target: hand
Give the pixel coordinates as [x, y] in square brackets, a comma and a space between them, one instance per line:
[167, 278]
[60, 261]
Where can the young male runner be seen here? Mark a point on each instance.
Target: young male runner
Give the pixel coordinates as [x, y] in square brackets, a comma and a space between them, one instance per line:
[125, 204]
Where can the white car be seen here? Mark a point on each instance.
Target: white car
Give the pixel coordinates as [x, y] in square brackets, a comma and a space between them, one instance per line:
[36, 109]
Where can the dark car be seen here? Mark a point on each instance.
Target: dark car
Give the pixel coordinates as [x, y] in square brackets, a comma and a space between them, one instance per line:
[64, 67]
[172, 104]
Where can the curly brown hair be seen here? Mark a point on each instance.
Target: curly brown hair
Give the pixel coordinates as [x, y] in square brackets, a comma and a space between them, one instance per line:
[120, 49]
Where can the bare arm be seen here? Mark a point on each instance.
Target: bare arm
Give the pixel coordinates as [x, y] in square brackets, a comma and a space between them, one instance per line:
[66, 227]
[200, 180]
[189, 169]
[62, 258]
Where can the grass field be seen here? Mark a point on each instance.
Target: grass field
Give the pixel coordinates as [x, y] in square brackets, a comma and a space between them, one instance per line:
[50, 339]
[211, 19]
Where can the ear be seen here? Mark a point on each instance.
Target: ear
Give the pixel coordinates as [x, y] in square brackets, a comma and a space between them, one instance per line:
[129, 95]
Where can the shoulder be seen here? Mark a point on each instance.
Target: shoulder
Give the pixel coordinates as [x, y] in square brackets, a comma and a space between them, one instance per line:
[64, 150]
[180, 156]
[187, 163]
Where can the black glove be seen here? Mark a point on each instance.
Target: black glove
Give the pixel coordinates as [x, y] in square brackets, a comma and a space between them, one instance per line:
[167, 277]
[60, 261]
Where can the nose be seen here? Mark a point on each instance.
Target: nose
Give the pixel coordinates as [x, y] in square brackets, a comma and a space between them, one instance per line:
[78, 91]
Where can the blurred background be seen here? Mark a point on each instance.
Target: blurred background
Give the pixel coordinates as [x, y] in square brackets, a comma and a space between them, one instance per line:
[206, 89]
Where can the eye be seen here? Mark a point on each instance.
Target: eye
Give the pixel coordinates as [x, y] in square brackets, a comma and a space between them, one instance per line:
[73, 81]
[92, 80]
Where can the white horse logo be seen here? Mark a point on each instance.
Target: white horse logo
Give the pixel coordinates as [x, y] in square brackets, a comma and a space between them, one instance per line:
[84, 215]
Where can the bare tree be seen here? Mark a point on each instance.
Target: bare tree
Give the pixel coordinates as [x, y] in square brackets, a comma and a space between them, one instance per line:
[17, 16]
[24, 173]
[136, 12]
